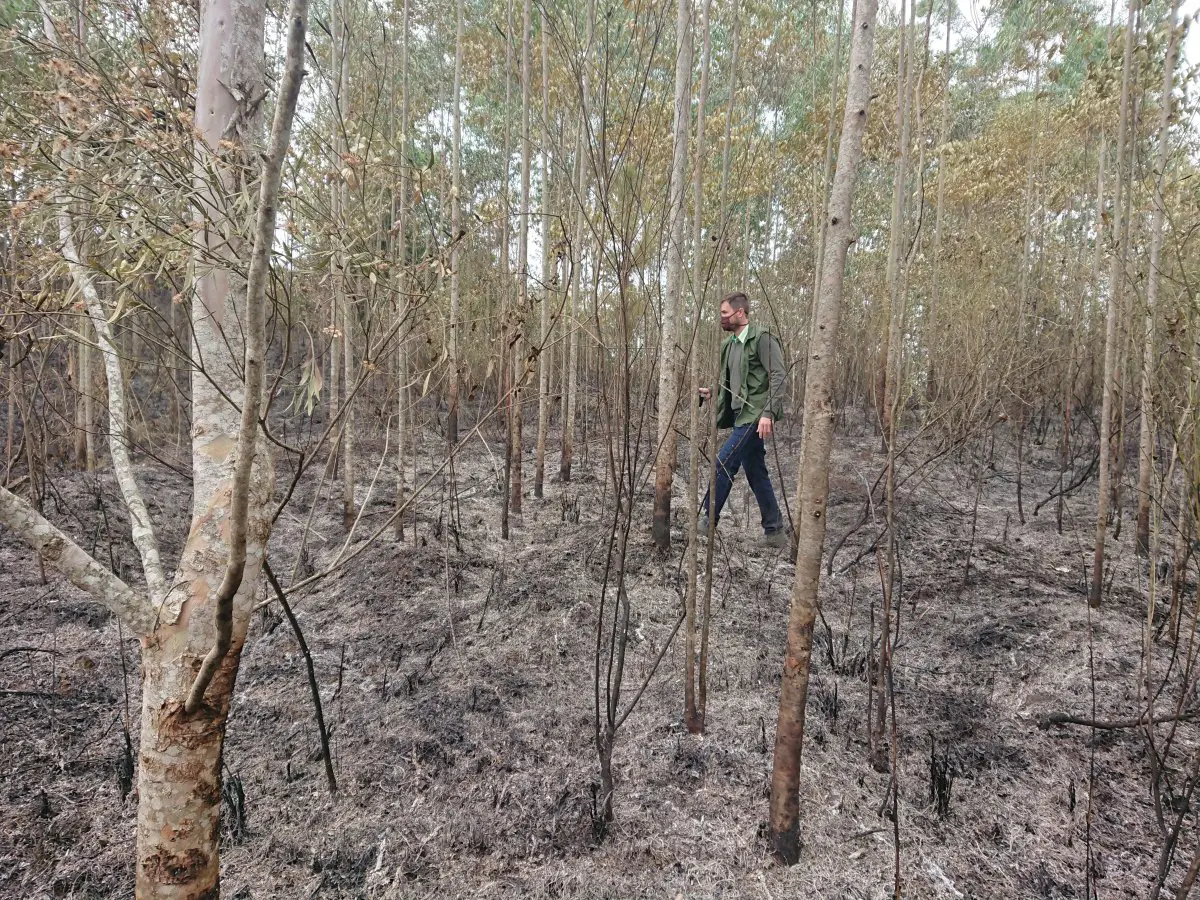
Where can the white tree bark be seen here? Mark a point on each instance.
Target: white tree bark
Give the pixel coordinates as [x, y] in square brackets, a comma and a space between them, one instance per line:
[254, 313]
[141, 526]
[76, 564]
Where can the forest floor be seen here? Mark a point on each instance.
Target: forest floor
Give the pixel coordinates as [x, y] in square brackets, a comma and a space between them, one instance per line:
[458, 683]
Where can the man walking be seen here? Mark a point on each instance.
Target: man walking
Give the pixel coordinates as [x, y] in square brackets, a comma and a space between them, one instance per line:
[750, 400]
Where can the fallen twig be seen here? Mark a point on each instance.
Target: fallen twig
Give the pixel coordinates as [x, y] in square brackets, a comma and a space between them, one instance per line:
[1059, 718]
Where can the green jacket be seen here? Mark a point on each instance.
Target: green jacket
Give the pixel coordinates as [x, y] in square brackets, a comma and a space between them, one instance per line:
[764, 380]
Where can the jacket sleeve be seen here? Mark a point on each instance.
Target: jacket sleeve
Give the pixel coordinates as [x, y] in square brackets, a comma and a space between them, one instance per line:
[772, 354]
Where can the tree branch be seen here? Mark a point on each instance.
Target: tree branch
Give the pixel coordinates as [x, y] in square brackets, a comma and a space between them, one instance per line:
[141, 527]
[75, 563]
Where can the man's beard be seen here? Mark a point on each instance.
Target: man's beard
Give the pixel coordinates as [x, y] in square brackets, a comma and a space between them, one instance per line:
[728, 324]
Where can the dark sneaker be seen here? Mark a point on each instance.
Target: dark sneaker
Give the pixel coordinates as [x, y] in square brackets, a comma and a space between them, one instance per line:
[776, 539]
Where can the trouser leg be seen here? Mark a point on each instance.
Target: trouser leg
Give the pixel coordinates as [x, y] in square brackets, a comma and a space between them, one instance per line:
[755, 461]
[729, 460]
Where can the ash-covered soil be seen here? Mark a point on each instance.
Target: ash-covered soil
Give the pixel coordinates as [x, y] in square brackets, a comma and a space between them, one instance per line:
[457, 675]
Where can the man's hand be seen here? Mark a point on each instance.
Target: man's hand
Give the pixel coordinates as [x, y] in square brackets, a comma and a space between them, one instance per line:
[765, 425]
[705, 393]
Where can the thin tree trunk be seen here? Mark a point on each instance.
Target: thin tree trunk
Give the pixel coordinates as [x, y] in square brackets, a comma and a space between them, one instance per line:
[726, 153]
[890, 357]
[1146, 438]
[346, 326]
[827, 171]
[897, 293]
[714, 374]
[80, 363]
[9, 419]
[1116, 293]
[693, 715]
[668, 364]
[1017, 378]
[518, 353]
[1101, 165]
[403, 306]
[1125, 329]
[455, 230]
[545, 328]
[577, 255]
[820, 381]
[349, 507]
[932, 338]
[506, 359]
[581, 237]
[336, 263]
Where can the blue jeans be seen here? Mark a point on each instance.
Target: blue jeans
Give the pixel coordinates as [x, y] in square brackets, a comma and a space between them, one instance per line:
[745, 448]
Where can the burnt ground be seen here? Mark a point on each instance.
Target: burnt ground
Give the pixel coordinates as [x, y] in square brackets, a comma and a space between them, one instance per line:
[458, 685]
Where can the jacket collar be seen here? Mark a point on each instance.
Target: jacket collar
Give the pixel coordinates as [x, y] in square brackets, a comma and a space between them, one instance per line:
[751, 334]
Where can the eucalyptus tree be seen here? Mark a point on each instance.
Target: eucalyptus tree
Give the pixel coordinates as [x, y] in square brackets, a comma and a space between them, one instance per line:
[192, 625]
[784, 822]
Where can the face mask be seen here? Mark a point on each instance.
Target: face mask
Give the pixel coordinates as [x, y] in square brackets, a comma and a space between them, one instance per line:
[728, 323]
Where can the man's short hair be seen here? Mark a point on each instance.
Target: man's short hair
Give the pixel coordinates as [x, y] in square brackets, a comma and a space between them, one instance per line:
[738, 300]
